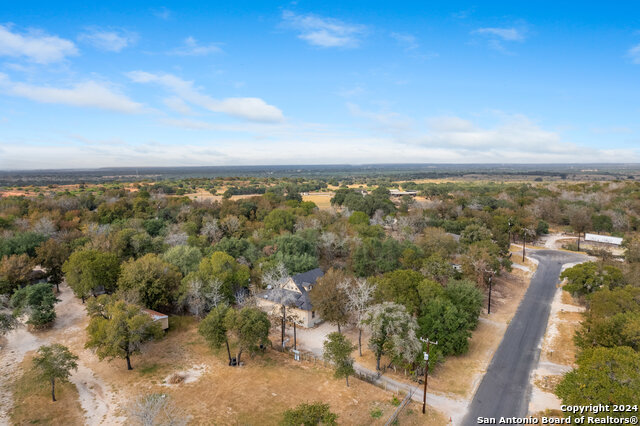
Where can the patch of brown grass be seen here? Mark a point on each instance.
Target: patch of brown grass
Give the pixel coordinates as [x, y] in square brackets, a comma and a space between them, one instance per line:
[323, 201]
[548, 383]
[561, 348]
[33, 404]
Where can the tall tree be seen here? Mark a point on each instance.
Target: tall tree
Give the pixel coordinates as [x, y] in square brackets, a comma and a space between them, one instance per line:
[588, 277]
[55, 362]
[251, 328]
[393, 332]
[359, 297]
[52, 254]
[88, 270]
[330, 299]
[225, 268]
[603, 375]
[580, 220]
[337, 350]
[38, 302]
[156, 281]
[118, 329]
[214, 328]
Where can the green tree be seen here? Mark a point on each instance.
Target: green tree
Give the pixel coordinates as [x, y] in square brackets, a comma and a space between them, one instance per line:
[186, 258]
[613, 319]
[7, 323]
[214, 328]
[88, 270]
[401, 286]
[329, 298]
[337, 350]
[296, 253]
[604, 375]
[375, 256]
[251, 329]
[632, 248]
[156, 281]
[52, 254]
[38, 302]
[118, 329]
[359, 218]
[580, 220]
[474, 233]
[54, 362]
[309, 415]
[588, 277]
[220, 266]
[279, 220]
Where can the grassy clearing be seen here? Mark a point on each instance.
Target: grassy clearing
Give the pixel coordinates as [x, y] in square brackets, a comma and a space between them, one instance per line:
[323, 201]
[32, 400]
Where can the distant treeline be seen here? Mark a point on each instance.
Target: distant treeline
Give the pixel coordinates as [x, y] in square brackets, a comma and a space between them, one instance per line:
[327, 172]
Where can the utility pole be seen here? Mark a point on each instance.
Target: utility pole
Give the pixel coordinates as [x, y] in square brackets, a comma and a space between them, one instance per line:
[490, 285]
[524, 243]
[426, 372]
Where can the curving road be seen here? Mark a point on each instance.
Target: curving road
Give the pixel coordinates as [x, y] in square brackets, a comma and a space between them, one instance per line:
[504, 390]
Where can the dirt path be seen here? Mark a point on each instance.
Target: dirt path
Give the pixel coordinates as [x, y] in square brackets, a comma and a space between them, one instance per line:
[98, 402]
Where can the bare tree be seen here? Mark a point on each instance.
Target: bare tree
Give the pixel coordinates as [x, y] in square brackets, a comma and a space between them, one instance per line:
[359, 297]
[44, 226]
[331, 245]
[211, 230]
[203, 296]
[176, 236]
[157, 410]
[230, 225]
[275, 280]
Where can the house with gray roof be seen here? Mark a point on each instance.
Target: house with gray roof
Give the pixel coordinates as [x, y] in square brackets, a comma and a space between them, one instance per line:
[294, 294]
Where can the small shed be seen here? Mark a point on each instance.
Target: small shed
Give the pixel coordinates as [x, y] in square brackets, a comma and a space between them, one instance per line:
[163, 319]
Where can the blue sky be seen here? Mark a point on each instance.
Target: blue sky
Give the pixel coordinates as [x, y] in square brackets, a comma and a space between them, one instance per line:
[309, 82]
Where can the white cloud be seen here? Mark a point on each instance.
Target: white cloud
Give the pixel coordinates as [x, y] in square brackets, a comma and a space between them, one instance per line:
[252, 109]
[162, 13]
[192, 48]
[35, 45]
[178, 105]
[109, 40]
[410, 42]
[634, 54]
[498, 36]
[507, 34]
[90, 94]
[324, 32]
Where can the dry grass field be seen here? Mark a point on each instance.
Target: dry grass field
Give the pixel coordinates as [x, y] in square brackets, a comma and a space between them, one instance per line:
[322, 200]
[33, 404]
[212, 392]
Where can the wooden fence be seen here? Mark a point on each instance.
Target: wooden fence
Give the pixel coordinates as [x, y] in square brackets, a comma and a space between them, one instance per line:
[399, 409]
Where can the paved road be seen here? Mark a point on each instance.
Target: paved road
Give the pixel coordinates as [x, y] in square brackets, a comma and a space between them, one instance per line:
[504, 390]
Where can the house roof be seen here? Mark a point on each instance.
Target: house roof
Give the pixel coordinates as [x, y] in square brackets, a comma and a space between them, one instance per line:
[154, 314]
[299, 300]
[306, 278]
